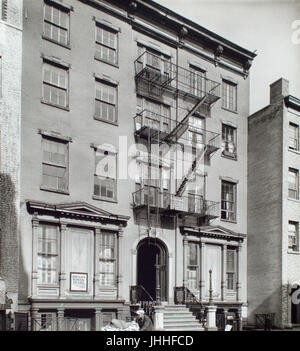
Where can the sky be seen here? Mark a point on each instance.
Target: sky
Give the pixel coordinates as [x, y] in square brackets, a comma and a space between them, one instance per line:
[271, 27]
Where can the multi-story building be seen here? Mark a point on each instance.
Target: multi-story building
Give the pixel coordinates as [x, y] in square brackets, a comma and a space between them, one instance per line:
[273, 209]
[134, 172]
[10, 118]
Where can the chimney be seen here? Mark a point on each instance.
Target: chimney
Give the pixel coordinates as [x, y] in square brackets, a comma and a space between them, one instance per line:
[278, 90]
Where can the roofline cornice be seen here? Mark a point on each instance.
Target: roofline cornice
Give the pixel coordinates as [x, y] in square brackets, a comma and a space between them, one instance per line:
[292, 102]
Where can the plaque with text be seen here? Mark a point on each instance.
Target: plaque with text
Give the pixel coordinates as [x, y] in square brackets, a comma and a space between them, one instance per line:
[78, 281]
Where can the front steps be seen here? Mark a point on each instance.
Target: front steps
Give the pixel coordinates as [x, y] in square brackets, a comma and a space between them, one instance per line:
[179, 317]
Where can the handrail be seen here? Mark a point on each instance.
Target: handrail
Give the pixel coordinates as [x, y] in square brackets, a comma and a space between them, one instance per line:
[141, 286]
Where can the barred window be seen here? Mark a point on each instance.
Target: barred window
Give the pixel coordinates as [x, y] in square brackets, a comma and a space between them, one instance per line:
[228, 201]
[48, 258]
[107, 259]
[105, 178]
[229, 95]
[55, 164]
[106, 102]
[55, 85]
[56, 23]
[293, 181]
[106, 45]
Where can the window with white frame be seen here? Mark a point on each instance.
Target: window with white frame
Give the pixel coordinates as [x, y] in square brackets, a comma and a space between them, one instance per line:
[55, 84]
[56, 23]
[293, 136]
[293, 183]
[229, 95]
[192, 266]
[106, 102]
[231, 269]
[293, 236]
[55, 164]
[197, 81]
[107, 259]
[229, 143]
[105, 178]
[228, 201]
[106, 44]
[48, 254]
[153, 59]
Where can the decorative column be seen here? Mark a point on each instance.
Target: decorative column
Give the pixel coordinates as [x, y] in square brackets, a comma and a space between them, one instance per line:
[96, 261]
[157, 272]
[98, 319]
[224, 269]
[238, 272]
[35, 241]
[62, 276]
[185, 254]
[35, 319]
[121, 262]
[211, 308]
[202, 270]
[60, 319]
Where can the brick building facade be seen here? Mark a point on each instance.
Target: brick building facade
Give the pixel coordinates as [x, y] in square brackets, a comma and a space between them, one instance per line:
[273, 208]
[10, 117]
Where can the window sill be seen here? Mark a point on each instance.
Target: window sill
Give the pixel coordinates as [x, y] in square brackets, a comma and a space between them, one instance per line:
[57, 106]
[67, 46]
[107, 62]
[227, 220]
[105, 121]
[233, 157]
[100, 198]
[227, 109]
[63, 192]
[294, 200]
[294, 151]
[289, 251]
[44, 286]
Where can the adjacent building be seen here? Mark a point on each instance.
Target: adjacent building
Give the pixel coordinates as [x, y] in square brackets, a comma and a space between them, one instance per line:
[273, 209]
[10, 117]
[134, 164]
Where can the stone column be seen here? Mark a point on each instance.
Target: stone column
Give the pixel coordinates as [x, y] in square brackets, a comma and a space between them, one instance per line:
[211, 318]
[96, 261]
[60, 319]
[223, 280]
[35, 241]
[98, 318]
[35, 320]
[202, 271]
[238, 273]
[121, 263]
[158, 317]
[185, 248]
[62, 276]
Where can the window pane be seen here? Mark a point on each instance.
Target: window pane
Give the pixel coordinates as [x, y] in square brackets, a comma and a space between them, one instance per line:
[56, 24]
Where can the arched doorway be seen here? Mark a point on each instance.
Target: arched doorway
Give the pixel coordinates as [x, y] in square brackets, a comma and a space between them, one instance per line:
[151, 252]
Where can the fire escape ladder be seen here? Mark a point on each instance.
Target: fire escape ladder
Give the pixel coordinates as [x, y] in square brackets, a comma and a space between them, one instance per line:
[191, 170]
[182, 126]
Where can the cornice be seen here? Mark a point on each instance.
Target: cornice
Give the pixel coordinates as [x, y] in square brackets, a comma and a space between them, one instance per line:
[292, 102]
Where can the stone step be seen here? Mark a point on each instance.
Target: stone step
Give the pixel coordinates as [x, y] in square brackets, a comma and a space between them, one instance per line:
[181, 318]
[187, 321]
[190, 327]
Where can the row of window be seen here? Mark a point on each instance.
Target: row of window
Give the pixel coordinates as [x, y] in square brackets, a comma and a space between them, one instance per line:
[49, 256]
[193, 268]
[55, 175]
[56, 28]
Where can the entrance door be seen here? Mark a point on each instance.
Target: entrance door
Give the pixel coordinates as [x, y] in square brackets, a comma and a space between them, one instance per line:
[150, 253]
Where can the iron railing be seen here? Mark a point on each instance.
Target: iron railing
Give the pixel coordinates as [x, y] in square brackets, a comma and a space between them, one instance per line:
[139, 295]
[148, 122]
[159, 71]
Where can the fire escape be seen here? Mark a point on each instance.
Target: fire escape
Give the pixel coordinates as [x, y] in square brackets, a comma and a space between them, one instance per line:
[156, 76]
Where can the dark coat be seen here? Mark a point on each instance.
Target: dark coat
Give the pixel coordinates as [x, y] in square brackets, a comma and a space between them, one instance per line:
[145, 323]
